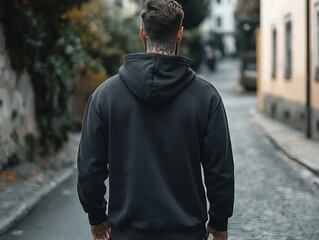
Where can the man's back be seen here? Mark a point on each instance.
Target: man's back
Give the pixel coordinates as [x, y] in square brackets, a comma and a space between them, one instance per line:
[154, 117]
[150, 129]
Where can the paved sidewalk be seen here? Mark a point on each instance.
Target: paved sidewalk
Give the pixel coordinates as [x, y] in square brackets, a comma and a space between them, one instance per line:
[292, 142]
[24, 186]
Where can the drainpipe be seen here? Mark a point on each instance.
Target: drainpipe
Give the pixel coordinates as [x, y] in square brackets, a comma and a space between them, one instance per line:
[308, 67]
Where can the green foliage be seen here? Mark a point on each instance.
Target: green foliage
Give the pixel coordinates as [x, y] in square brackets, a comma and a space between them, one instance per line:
[30, 142]
[192, 47]
[53, 81]
[54, 40]
[109, 36]
[124, 38]
[41, 41]
[195, 12]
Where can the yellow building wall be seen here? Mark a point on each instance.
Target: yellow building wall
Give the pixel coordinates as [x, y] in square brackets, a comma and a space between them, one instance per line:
[260, 102]
[314, 83]
[273, 15]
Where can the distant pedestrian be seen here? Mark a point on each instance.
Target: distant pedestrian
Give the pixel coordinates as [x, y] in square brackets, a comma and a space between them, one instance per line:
[150, 129]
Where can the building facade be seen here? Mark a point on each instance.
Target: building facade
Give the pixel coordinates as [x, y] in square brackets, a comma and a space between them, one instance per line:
[289, 63]
[221, 20]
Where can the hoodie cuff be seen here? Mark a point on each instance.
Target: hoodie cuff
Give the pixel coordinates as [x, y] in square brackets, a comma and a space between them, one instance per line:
[97, 219]
[218, 224]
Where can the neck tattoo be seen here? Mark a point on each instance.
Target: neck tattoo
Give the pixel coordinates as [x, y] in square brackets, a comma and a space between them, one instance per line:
[167, 48]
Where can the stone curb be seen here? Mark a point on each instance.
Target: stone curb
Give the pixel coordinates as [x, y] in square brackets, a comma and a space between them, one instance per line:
[31, 202]
[258, 118]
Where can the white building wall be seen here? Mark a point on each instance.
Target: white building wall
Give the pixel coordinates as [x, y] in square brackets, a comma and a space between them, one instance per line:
[230, 44]
[225, 11]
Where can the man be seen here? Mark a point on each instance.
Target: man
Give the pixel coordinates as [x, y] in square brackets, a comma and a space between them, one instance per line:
[150, 129]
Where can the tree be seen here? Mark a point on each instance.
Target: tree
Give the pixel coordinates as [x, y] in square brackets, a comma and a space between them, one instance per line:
[38, 39]
[248, 11]
[247, 16]
[195, 12]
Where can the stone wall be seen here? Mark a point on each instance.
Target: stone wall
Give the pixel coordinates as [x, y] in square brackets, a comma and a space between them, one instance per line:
[291, 113]
[17, 110]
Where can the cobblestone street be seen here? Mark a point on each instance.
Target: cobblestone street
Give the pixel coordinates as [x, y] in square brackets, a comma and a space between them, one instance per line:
[273, 200]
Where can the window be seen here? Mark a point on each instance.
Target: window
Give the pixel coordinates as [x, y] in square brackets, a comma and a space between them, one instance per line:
[316, 41]
[288, 47]
[219, 22]
[274, 53]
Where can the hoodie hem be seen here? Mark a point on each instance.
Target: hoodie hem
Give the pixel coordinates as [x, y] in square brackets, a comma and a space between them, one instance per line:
[127, 233]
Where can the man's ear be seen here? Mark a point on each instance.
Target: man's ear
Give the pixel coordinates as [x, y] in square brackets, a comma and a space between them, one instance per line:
[180, 34]
[143, 38]
[142, 34]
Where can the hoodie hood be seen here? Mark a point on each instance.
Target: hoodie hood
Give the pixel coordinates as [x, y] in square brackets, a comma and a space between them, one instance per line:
[155, 78]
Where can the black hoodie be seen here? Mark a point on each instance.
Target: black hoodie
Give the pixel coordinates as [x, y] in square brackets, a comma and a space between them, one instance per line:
[150, 129]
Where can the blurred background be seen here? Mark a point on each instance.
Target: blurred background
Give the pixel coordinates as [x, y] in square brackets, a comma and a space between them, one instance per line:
[54, 54]
[262, 55]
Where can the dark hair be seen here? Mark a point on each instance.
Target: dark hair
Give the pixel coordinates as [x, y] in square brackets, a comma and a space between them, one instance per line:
[162, 19]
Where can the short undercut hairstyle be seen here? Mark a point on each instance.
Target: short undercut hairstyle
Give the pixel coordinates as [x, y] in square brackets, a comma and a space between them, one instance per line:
[162, 19]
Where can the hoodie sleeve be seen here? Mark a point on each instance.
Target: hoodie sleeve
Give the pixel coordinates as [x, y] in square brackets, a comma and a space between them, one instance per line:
[218, 168]
[92, 164]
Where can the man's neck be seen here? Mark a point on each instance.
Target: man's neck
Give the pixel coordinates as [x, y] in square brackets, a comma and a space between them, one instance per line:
[160, 52]
[166, 49]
